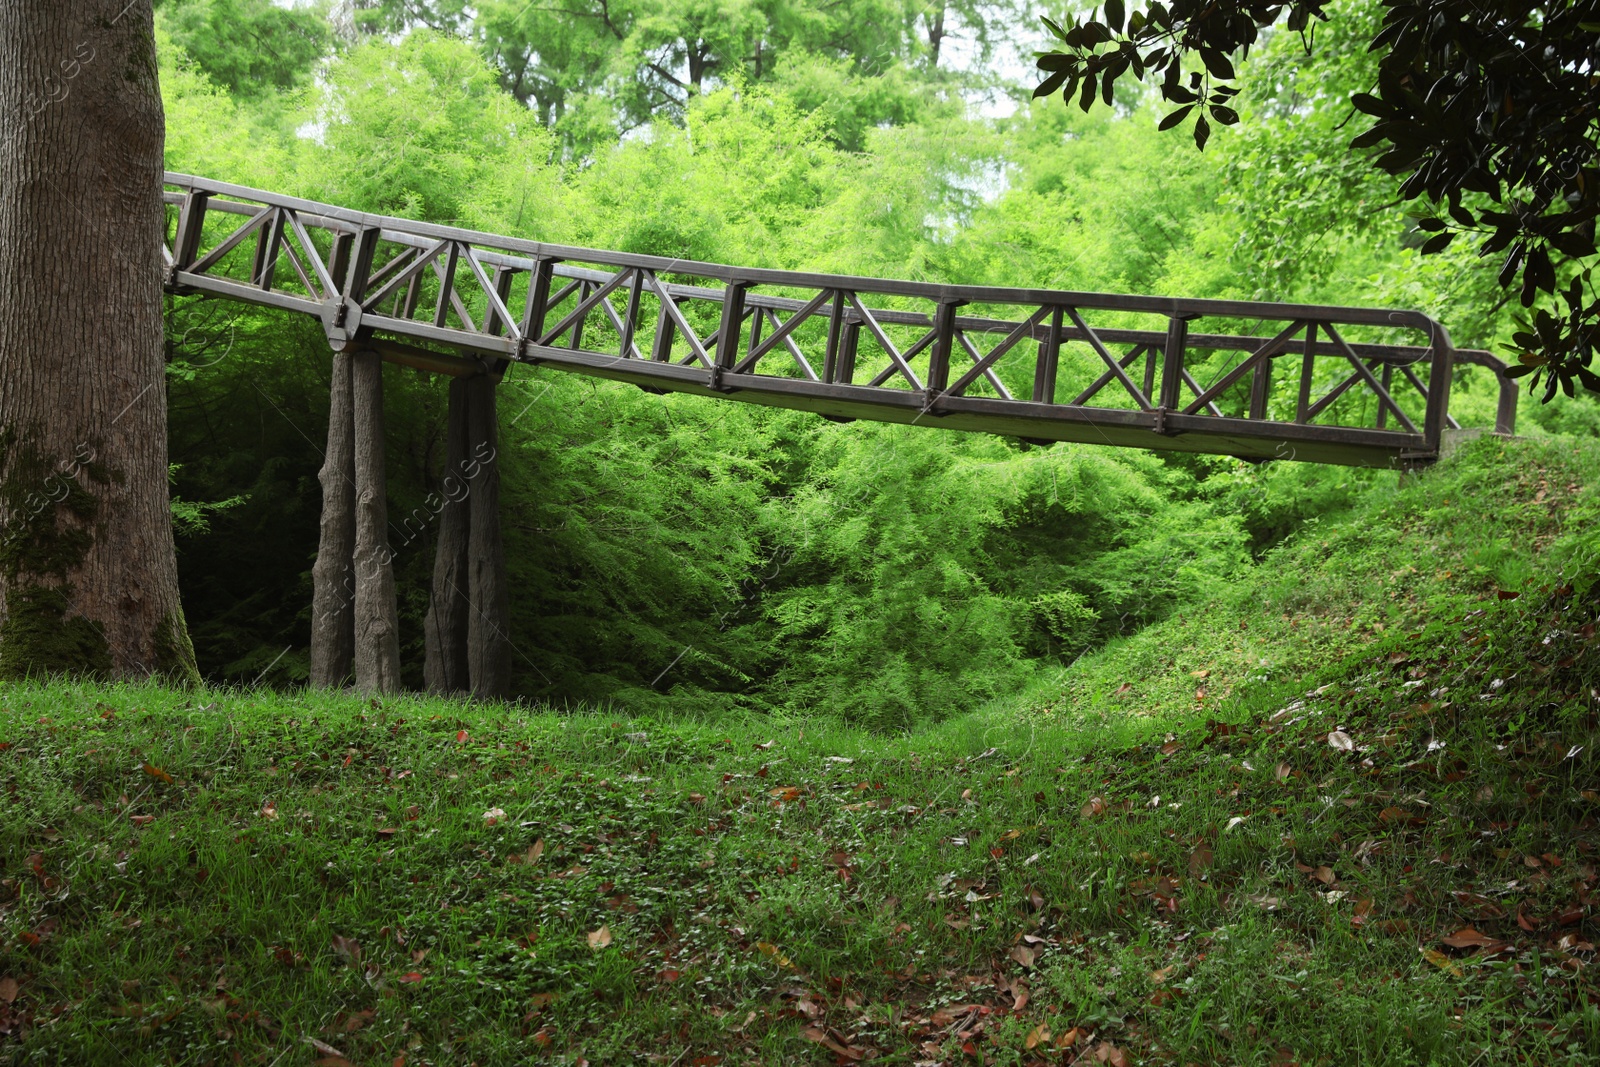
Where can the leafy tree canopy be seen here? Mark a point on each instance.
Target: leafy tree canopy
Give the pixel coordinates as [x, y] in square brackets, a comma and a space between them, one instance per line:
[1487, 109]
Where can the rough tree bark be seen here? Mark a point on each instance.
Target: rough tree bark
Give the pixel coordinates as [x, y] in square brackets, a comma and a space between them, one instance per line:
[377, 624]
[88, 578]
[333, 605]
[445, 668]
[488, 645]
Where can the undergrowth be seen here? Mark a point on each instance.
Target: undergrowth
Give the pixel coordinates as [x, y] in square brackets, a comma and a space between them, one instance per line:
[1380, 851]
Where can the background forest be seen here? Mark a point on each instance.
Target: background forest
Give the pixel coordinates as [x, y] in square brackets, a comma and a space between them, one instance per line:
[677, 554]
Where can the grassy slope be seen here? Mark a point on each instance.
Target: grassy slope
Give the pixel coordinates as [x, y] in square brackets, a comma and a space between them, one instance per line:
[1114, 870]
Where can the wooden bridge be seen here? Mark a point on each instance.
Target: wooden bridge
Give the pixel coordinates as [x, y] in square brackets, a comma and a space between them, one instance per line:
[1354, 386]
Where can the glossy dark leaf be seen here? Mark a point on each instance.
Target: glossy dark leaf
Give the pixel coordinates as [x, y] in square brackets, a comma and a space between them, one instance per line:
[1175, 118]
[1050, 84]
[1114, 14]
[1202, 132]
[1224, 114]
[1437, 243]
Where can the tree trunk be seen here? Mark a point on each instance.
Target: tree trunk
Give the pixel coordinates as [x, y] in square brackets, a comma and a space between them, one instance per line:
[446, 668]
[88, 576]
[377, 624]
[333, 606]
[488, 644]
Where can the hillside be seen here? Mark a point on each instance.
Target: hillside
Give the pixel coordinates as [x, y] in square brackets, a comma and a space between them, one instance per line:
[1344, 813]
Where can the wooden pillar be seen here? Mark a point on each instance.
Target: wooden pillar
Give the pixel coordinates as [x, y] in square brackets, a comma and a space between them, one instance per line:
[446, 668]
[333, 633]
[488, 644]
[377, 629]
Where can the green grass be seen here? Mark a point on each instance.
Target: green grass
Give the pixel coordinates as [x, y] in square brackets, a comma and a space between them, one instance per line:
[228, 877]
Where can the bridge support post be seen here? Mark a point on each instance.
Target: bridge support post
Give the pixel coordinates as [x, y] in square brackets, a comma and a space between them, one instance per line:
[488, 642]
[468, 611]
[377, 626]
[445, 666]
[333, 618]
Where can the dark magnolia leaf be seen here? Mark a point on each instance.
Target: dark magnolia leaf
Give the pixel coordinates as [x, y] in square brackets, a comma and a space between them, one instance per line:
[1056, 61]
[1136, 23]
[1513, 263]
[1095, 33]
[1202, 132]
[1371, 105]
[1573, 243]
[1087, 98]
[1162, 17]
[1540, 269]
[1590, 380]
[1462, 215]
[1224, 114]
[1114, 14]
[1430, 225]
[1437, 243]
[1106, 82]
[1050, 84]
[1175, 118]
[1518, 370]
[1217, 63]
[1055, 29]
[1375, 136]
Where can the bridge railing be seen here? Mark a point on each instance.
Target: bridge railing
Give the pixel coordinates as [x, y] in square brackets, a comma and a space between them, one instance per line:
[1269, 380]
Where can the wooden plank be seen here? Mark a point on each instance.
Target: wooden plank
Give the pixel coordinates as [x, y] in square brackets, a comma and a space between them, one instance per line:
[1044, 369]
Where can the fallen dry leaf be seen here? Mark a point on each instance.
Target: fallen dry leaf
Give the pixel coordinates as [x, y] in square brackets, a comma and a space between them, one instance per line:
[157, 773]
[1039, 1035]
[8, 990]
[1094, 806]
[1022, 954]
[600, 938]
[1441, 961]
[1325, 875]
[494, 816]
[1340, 740]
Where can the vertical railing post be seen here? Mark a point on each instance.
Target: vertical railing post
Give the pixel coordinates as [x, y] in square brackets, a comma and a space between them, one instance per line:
[1172, 363]
[1261, 388]
[729, 331]
[1440, 371]
[1308, 366]
[630, 317]
[830, 358]
[191, 225]
[944, 339]
[538, 303]
[1044, 373]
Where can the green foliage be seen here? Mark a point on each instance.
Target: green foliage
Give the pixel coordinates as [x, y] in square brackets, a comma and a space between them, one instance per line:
[250, 47]
[688, 556]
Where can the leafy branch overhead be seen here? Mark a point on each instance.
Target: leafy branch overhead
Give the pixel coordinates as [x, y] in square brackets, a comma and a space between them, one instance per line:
[1490, 110]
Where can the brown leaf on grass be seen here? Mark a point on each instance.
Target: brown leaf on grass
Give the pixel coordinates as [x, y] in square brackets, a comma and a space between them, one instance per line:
[1441, 961]
[1338, 739]
[322, 1046]
[1109, 1054]
[410, 977]
[1468, 938]
[1200, 674]
[1020, 995]
[347, 948]
[1092, 807]
[1325, 875]
[1022, 954]
[601, 938]
[157, 773]
[1170, 747]
[8, 990]
[827, 1041]
[1530, 923]
[1072, 1037]
[1480, 906]
[1282, 771]
[1200, 860]
[1039, 1035]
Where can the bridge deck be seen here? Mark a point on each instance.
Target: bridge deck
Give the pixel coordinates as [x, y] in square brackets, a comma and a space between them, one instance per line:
[1275, 381]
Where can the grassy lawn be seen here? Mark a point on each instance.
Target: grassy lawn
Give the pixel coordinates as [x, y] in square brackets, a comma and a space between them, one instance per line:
[1382, 853]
